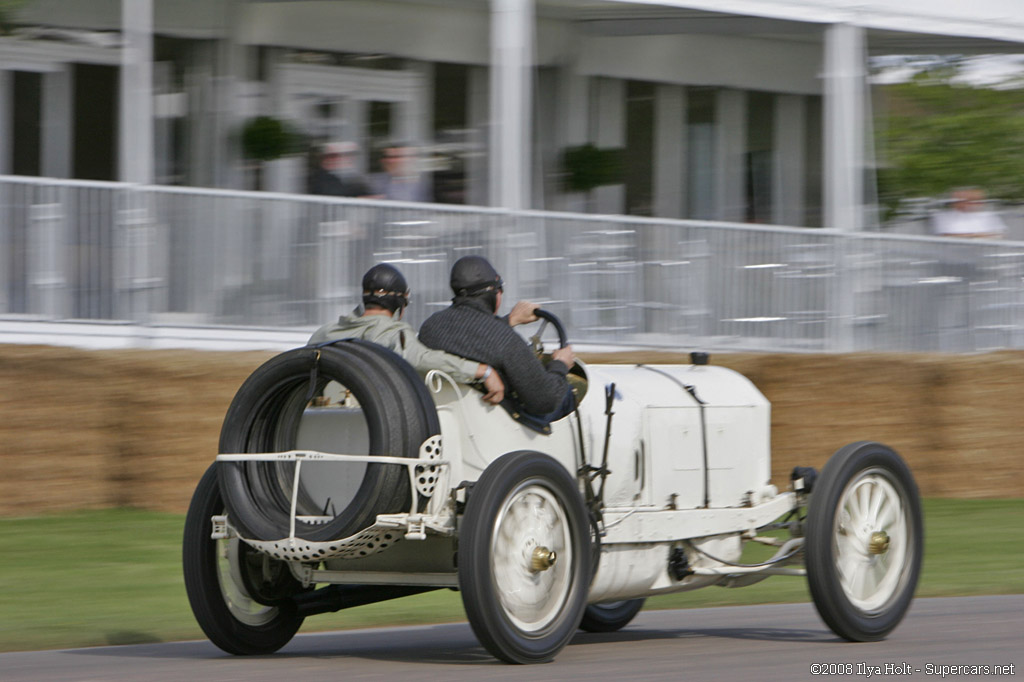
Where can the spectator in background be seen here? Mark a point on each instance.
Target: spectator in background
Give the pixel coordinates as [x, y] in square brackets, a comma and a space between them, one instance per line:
[336, 173]
[401, 179]
[969, 217]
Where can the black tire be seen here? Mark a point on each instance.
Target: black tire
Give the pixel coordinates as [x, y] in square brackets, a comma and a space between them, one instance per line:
[610, 616]
[863, 582]
[421, 398]
[523, 613]
[223, 607]
[264, 417]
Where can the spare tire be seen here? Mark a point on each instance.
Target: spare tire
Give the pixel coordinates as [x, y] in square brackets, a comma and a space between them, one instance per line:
[267, 412]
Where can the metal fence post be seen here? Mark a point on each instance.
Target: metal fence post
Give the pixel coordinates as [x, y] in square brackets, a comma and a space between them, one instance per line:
[47, 277]
[135, 274]
[840, 337]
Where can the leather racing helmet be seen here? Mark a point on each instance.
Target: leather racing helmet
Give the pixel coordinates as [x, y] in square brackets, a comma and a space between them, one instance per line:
[384, 286]
[474, 275]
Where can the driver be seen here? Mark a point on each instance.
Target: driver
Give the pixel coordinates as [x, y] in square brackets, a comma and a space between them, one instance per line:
[470, 328]
[385, 295]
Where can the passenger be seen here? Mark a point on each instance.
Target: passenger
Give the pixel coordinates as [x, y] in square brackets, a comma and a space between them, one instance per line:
[385, 295]
[470, 328]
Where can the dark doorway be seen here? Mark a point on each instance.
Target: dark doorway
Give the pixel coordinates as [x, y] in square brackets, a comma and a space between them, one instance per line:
[451, 132]
[28, 101]
[95, 122]
[760, 156]
[813, 163]
[639, 160]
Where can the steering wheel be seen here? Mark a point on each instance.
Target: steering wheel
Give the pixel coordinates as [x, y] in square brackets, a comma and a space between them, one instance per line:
[547, 318]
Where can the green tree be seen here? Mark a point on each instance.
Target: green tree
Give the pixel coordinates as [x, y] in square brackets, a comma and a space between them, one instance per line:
[8, 8]
[938, 134]
[265, 138]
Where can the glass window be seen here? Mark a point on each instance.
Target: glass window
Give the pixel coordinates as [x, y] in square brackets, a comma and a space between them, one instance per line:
[700, 153]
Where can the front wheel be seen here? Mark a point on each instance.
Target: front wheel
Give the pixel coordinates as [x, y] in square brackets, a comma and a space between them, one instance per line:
[610, 616]
[240, 598]
[864, 541]
[524, 558]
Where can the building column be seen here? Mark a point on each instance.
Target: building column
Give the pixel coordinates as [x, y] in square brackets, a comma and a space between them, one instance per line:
[512, 33]
[844, 126]
[730, 152]
[57, 123]
[135, 148]
[284, 174]
[788, 187]
[229, 73]
[418, 125]
[669, 151]
[199, 86]
[352, 127]
[609, 104]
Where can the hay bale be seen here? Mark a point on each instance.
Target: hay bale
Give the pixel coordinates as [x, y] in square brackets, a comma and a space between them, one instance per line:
[91, 429]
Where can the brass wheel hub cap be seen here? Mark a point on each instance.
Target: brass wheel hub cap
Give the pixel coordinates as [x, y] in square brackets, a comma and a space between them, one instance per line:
[542, 559]
[879, 543]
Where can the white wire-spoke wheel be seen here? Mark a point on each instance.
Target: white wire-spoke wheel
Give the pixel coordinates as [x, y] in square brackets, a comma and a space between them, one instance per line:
[871, 533]
[240, 598]
[864, 541]
[524, 560]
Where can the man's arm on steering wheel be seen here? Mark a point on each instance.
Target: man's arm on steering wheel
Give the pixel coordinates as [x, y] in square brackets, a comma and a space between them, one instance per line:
[539, 389]
[522, 313]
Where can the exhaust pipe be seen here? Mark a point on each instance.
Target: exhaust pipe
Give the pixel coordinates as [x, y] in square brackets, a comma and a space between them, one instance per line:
[337, 597]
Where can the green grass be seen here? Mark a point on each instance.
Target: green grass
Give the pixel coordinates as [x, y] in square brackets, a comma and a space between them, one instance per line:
[114, 577]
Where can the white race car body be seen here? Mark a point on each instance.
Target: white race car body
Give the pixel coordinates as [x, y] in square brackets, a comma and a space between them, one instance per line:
[668, 421]
[343, 468]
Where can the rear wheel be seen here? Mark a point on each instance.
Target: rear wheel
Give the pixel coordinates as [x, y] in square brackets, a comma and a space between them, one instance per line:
[864, 541]
[239, 597]
[610, 616]
[524, 559]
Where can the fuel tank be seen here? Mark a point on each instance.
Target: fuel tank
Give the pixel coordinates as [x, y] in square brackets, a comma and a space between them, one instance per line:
[677, 437]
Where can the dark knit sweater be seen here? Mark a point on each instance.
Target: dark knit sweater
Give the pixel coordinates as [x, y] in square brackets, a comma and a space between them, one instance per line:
[469, 329]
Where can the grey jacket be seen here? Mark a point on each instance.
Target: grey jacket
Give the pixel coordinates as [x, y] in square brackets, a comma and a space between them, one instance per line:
[399, 337]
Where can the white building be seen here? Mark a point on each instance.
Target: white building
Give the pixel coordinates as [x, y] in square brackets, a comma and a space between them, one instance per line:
[733, 110]
[723, 112]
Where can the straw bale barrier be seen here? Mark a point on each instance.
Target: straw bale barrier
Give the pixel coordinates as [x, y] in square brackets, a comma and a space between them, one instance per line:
[91, 429]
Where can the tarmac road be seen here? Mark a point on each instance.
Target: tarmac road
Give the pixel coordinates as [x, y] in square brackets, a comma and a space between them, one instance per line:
[757, 643]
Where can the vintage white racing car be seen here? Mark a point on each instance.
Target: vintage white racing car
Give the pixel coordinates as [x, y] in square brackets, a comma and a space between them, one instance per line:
[346, 479]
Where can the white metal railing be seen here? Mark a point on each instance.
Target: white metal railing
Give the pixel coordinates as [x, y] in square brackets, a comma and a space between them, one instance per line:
[156, 255]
